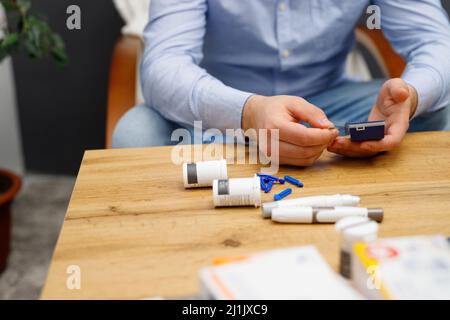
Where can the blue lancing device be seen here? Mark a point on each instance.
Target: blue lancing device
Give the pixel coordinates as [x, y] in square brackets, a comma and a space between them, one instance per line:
[365, 131]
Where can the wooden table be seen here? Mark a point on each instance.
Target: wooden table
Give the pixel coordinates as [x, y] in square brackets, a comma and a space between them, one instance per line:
[135, 232]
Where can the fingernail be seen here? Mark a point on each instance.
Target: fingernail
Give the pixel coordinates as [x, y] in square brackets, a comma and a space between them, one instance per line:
[326, 122]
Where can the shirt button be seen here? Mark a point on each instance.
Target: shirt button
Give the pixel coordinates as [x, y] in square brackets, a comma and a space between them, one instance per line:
[286, 53]
[283, 7]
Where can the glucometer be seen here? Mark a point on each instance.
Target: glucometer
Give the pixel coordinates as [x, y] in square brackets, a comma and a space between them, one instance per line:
[364, 131]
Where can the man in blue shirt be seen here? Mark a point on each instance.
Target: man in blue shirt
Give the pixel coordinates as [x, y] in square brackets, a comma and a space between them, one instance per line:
[268, 64]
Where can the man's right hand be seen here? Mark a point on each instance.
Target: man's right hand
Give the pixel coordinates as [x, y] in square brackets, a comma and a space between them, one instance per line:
[299, 145]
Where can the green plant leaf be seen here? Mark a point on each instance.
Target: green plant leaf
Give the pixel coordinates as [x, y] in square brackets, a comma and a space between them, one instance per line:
[23, 5]
[60, 57]
[57, 41]
[10, 40]
[32, 33]
[59, 51]
[9, 5]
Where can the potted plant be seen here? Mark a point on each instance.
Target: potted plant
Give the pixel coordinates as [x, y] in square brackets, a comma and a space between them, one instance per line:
[31, 33]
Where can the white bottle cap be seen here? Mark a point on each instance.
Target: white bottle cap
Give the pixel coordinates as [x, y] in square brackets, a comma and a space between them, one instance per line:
[203, 173]
[237, 192]
[353, 230]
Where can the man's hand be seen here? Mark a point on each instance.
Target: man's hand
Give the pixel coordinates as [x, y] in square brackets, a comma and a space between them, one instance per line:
[298, 144]
[396, 104]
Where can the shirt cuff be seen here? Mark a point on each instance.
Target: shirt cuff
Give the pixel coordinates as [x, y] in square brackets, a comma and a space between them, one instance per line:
[428, 87]
[223, 106]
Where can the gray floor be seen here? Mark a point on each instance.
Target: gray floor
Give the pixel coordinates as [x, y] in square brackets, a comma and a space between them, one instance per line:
[37, 217]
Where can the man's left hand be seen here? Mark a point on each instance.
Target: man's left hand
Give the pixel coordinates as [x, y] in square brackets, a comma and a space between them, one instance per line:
[396, 103]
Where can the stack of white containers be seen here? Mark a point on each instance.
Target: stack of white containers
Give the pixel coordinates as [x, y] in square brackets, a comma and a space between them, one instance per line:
[226, 192]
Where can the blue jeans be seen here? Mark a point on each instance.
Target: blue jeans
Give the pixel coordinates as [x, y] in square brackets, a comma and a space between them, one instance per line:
[350, 101]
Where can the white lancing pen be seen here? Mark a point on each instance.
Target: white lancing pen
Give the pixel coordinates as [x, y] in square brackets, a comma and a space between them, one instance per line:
[314, 201]
[323, 214]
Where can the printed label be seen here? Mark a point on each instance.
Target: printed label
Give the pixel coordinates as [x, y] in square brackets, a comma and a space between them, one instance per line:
[345, 265]
[192, 173]
[223, 187]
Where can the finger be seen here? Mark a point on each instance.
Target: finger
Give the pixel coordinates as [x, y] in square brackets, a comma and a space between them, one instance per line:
[351, 154]
[375, 115]
[395, 134]
[290, 150]
[298, 162]
[398, 90]
[346, 147]
[305, 111]
[298, 134]
[387, 143]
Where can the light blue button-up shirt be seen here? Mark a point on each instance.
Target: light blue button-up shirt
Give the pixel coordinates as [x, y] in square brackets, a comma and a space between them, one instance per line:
[204, 58]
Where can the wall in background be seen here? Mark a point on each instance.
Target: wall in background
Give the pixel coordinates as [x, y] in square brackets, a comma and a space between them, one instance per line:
[62, 110]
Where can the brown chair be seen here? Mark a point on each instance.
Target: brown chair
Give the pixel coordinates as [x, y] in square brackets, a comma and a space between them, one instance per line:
[123, 81]
[123, 84]
[390, 63]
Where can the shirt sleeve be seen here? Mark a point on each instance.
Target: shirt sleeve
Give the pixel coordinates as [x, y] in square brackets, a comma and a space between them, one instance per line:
[420, 32]
[172, 80]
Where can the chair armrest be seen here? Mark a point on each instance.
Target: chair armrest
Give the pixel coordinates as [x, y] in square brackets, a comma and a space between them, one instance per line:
[391, 64]
[122, 81]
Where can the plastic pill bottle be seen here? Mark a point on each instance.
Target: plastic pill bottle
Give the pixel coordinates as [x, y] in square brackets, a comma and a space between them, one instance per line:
[203, 173]
[237, 192]
[352, 230]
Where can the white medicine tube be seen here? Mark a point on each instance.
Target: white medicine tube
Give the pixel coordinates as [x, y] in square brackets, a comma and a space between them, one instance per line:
[203, 173]
[237, 192]
[314, 201]
[323, 214]
[352, 230]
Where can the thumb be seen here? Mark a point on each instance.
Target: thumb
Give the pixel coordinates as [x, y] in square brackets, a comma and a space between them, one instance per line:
[398, 90]
[307, 112]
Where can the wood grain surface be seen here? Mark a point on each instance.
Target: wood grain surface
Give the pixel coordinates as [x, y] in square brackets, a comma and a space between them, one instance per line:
[135, 232]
